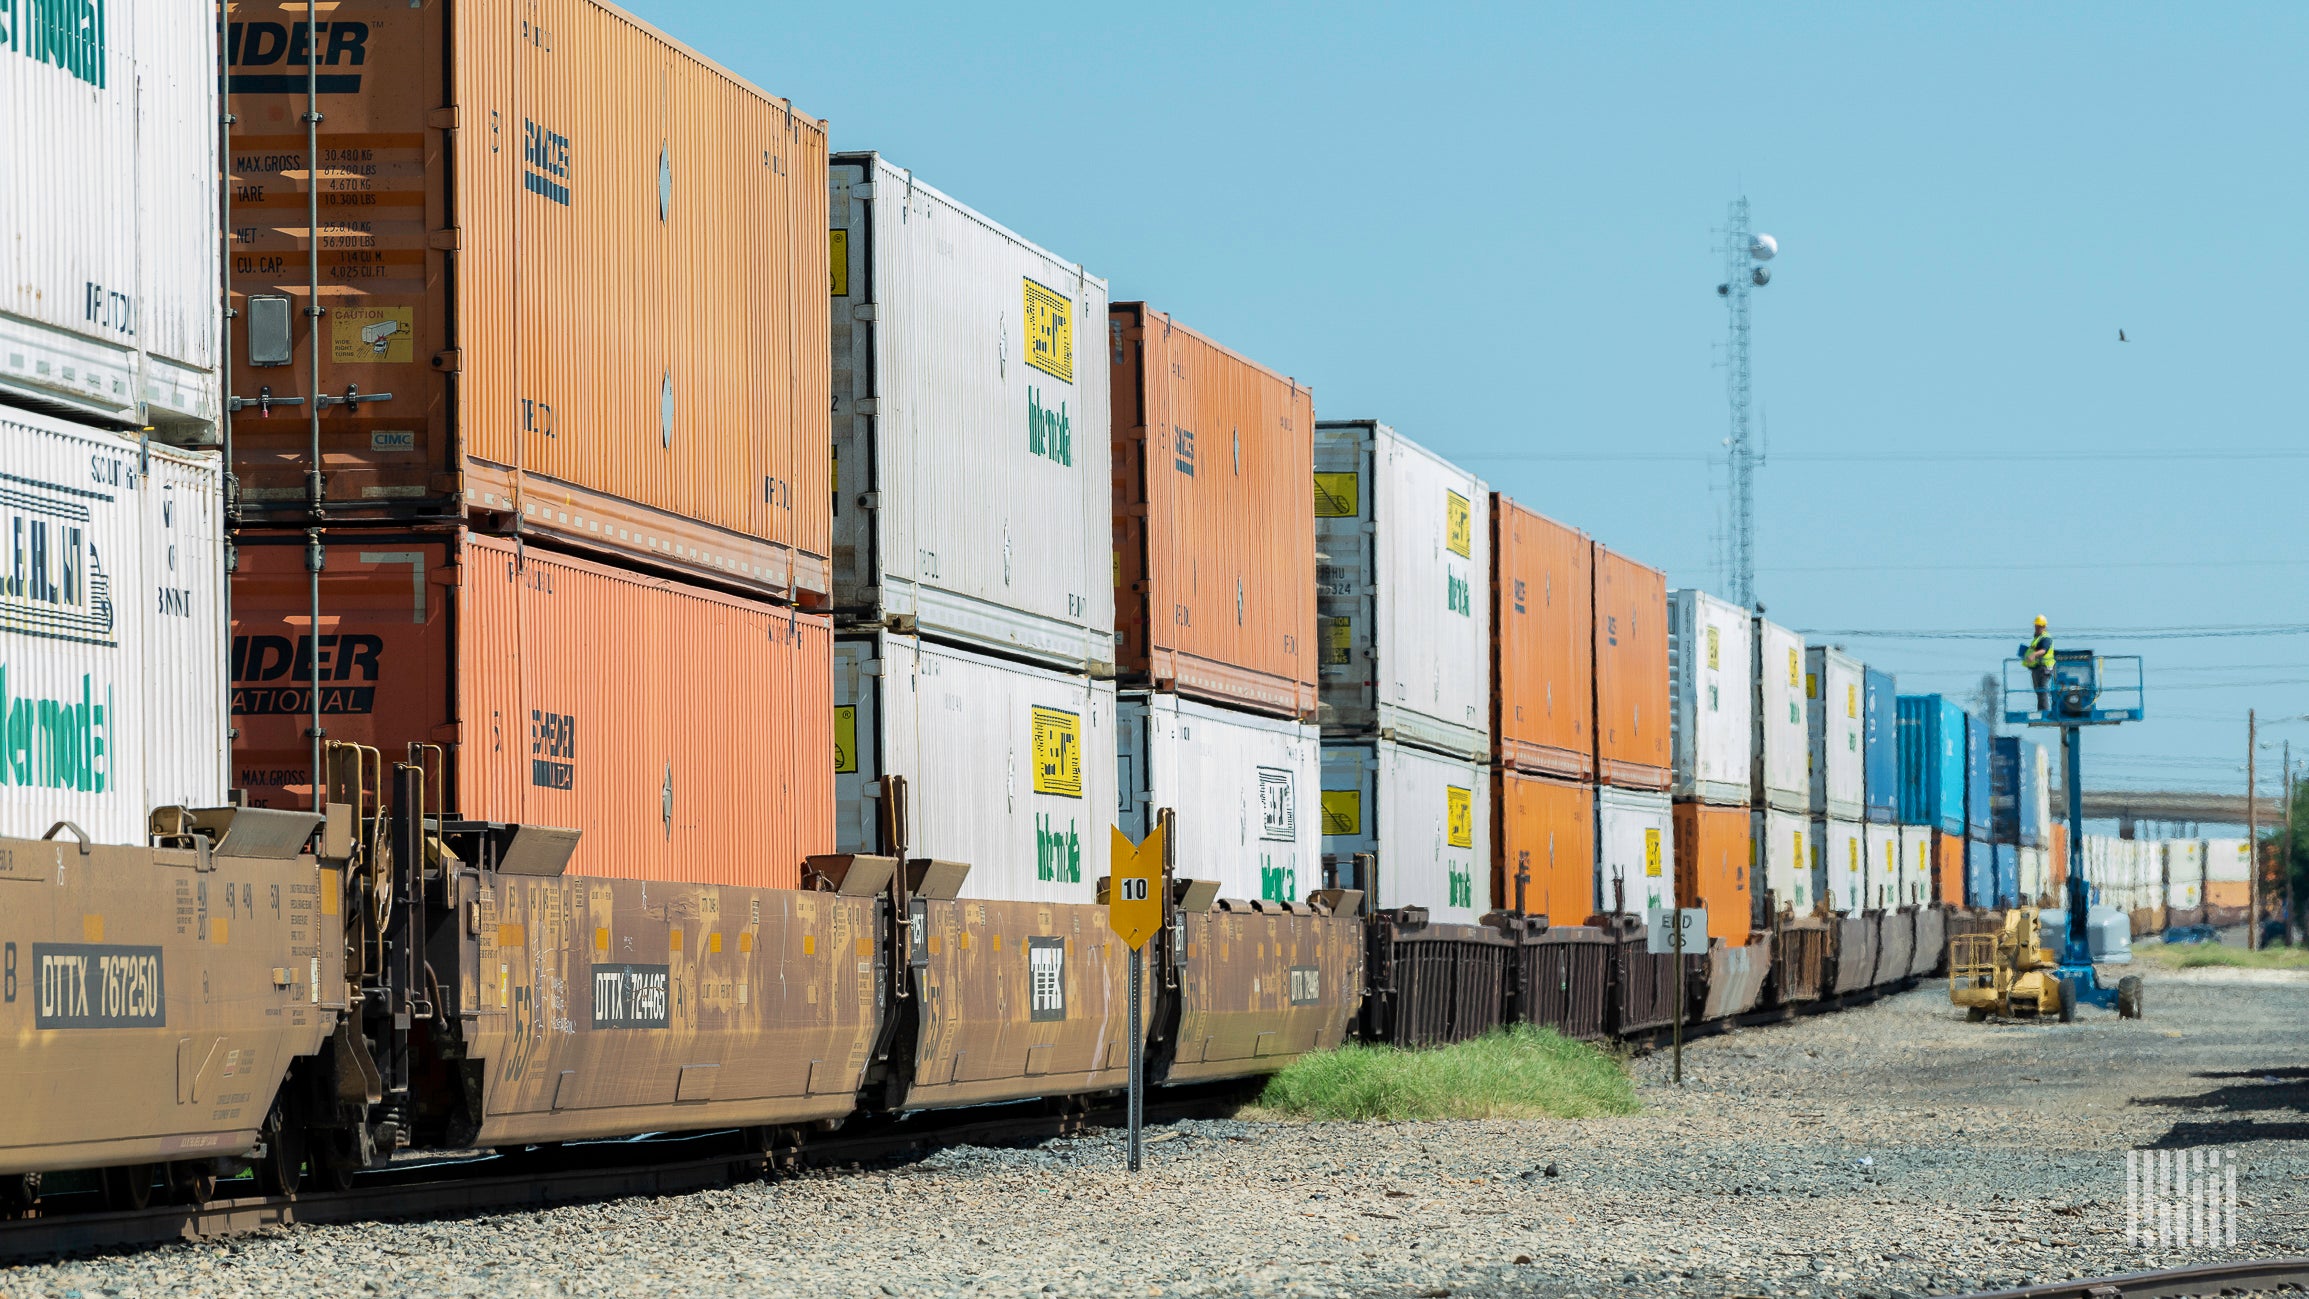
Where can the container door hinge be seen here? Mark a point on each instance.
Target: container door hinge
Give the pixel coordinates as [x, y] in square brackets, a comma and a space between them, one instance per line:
[865, 406]
[442, 119]
[444, 239]
[866, 311]
[449, 361]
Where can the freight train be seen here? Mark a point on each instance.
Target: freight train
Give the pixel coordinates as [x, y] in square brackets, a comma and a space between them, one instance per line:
[631, 622]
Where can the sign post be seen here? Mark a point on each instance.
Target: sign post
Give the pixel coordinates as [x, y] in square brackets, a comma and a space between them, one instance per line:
[1667, 935]
[1134, 907]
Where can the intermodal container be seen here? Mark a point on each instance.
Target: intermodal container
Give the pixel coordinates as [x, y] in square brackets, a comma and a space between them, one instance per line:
[1711, 695]
[1400, 583]
[1008, 768]
[1543, 643]
[1978, 742]
[1214, 528]
[112, 635]
[972, 447]
[585, 266]
[2057, 863]
[2004, 872]
[1712, 859]
[1840, 869]
[2041, 802]
[2035, 886]
[1979, 874]
[1543, 846]
[1919, 867]
[1835, 722]
[1635, 851]
[1880, 849]
[108, 195]
[2228, 873]
[1632, 716]
[1421, 819]
[1932, 763]
[1948, 862]
[2185, 873]
[1880, 745]
[682, 730]
[1781, 776]
[1243, 788]
[1783, 859]
[2017, 798]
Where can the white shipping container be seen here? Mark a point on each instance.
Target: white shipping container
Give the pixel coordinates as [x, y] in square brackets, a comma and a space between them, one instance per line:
[2184, 873]
[2228, 861]
[108, 199]
[1244, 789]
[112, 630]
[2035, 880]
[1782, 857]
[1840, 864]
[1880, 849]
[972, 495]
[1425, 817]
[1009, 768]
[1915, 866]
[1783, 755]
[1635, 850]
[1711, 698]
[1833, 681]
[2044, 805]
[1403, 581]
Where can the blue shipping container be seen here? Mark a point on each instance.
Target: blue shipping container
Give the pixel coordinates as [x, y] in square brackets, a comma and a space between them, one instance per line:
[1979, 874]
[1880, 747]
[2014, 796]
[1977, 742]
[2007, 874]
[1931, 763]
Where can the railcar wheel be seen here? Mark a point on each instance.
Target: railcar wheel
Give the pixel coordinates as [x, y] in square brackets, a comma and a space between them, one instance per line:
[192, 1182]
[282, 1170]
[18, 1193]
[128, 1187]
[335, 1158]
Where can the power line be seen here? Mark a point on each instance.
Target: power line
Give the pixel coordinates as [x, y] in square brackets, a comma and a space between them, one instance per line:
[2207, 632]
[1890, 458]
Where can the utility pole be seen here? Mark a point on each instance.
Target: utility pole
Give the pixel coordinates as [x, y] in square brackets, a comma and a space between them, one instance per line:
[2252, 833]
[1745, 253]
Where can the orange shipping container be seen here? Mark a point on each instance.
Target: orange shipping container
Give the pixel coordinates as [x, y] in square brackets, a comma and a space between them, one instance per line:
[1543, 643]
[1543, 840]
[1714, 846]
[1948, 868]
[2229, 893]
[2058, 858]
[589, 266]
[687, 733]
[1214, 526]
[1631, 672]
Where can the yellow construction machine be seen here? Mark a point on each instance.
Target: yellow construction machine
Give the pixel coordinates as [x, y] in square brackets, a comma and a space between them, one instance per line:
[2008, 973]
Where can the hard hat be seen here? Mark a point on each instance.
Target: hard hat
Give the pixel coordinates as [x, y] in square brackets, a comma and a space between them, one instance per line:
[2040, 620]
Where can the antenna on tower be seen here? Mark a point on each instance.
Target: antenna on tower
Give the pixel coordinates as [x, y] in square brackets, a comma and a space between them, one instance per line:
[1745, 255]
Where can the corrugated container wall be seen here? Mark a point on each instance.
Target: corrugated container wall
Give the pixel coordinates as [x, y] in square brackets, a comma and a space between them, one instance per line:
[2035, 885]
[1009, 768]
[971, 433]
[1880, 854]
[1932, 763]
[1712, 860]
[1711, 695]
[1782, 774]
[1425, 817]
[1400, 585]
[1543, 643]
[1214, 528]
[684, 731]
[1948, 867]
[112, 630]
[1978, 740]
[1635, 851]
[2057, 863]
[1631, 673]
[1840, 873]
[1783, 857]
[587, 264]
[2043, 803]
[2016, 791]
[1919, 866]
[108, 280]
[2185, 873]
[1880, 744]
[1836, 722]
[1245, 790]
[1543, 846]
[2007, 873]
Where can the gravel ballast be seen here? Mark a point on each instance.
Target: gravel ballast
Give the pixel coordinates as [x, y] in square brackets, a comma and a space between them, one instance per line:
[1887, 1150]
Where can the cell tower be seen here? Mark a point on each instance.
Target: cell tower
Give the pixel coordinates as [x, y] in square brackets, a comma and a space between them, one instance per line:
[1744, 256]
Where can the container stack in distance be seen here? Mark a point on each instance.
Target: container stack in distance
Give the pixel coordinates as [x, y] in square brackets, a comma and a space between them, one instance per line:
[1781, 785]
[1634, 755]
[1932, 790]
[1835, 696]
[1712, 693]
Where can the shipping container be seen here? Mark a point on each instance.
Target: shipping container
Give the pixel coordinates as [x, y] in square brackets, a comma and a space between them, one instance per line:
[2185, 873]
[1880, 849]
[1932, 763]
[2035, 884]
[1543, 846]
[2005, 858]
[2228, 861]
[2057, 859]
[1423, 819]
[1979, 875]
[1008, 768]
[1543, 643]
[108, 194]
[1781, 775]
[112, 633]
[1880, 743]
[1214, 528]
[1635, 851]
[1239, 785]
[1948, 867]
[1783, 859]
[1979, 741]
[1840, 864]
[583, 267]
[1404, 557]
[1919, 867]
[1835, 721]
[683, 731]
[2017, 796]
[1711, 695]
[1632, 717]
[1712, 855]
[2043, 801]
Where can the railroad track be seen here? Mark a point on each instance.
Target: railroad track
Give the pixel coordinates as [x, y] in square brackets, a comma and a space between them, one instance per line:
[2205, 1279]
[578, 1173]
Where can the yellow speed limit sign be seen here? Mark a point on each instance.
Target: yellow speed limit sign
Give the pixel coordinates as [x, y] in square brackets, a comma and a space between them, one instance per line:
[1134, 900]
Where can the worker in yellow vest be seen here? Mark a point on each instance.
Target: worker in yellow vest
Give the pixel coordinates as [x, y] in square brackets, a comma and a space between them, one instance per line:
[2037, 658]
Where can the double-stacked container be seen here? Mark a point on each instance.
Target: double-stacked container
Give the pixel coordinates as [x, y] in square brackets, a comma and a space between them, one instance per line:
[1836, 723]
[1933, 757]
[1780, 784]
[1979, 857]
[2228, 880]
[1712, 731]
[1403, 568]
[1880, 746]
[1635, 838]
[1880, 854]
[1543, 716]
[2185, 881]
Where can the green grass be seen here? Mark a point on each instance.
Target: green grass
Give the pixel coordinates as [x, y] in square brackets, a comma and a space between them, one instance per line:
[1520, 1073]
[2191, 956]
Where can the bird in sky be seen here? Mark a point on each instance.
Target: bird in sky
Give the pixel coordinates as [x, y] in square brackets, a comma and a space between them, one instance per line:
[2121, 336]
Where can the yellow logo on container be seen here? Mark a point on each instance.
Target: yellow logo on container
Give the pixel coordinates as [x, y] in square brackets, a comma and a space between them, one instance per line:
[1342, 811]
[1715, 659]
[371, 335]
[1851, 700]
[1459, 525]
[1652, 851]
[845, 739]
[838, 260]
[1049, 332]
[1338, 641]
[1795, 668]
[1057, 752]
[1458, 816]
[1338, 496]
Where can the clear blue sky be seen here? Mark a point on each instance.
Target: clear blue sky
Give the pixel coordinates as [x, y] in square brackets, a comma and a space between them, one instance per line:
[1491, 227]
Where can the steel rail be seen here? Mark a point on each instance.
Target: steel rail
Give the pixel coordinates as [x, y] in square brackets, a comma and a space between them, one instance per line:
[2246, 1276]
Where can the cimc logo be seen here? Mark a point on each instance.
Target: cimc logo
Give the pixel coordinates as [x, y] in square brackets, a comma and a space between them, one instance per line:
[545, 162]
[290, 46]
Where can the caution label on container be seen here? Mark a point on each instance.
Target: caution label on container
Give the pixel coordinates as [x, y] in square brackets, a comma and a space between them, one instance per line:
[1057, 752]
[845, 739]
[364, 335]
[838, 260]
[1652, 851]
[1458, 816]
[1458, 525]
[1338, 496]
[1049, 332]
[1795, 667]
[1342, 811]
[1338, 641]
